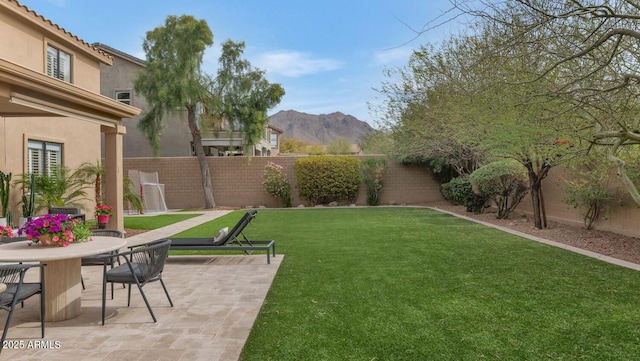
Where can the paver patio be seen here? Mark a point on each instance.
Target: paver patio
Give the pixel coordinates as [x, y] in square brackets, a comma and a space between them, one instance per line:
[216, 301]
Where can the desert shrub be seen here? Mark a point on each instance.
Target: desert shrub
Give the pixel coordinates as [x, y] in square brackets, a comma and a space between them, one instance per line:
[592, 189]
[505, 182]
[373, 169]
[326, 179]
[276, 183]
[459, 191]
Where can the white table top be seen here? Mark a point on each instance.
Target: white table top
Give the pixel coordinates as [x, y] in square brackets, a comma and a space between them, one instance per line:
[24, 251]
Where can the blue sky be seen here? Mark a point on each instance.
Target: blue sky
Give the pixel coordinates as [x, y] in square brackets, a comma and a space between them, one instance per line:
[328, 55]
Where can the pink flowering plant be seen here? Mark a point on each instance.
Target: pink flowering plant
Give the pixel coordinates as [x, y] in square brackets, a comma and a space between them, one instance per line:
[6, 231]
[276, 183]
[103, 210]
[56, 229]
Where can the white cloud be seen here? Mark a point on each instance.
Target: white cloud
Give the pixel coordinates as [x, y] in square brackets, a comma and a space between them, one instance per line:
[295, 64]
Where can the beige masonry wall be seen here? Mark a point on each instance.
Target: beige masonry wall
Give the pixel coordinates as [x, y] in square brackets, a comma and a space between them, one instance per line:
[237, 182]
[619, 218]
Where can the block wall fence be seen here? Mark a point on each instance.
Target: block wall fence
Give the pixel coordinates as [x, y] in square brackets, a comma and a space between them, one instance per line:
[237, 182]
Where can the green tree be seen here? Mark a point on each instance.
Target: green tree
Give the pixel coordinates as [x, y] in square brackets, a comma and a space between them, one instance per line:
[340, 145]
[590, 49]
[504, 182]
[378, 142]
[241, 96]
[173, 80]
[292, 145]
[469, 101]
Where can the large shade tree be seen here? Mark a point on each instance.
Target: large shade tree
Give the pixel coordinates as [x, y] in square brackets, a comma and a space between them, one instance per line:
[173, 81]
[469, 101]
[592, 47]
[240, 95]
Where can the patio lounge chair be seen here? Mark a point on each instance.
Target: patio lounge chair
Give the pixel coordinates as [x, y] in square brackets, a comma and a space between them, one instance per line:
[235, 240]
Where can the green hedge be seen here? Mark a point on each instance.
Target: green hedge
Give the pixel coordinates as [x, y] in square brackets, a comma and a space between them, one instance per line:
[326, 179]
[505, 182]
[459, 191]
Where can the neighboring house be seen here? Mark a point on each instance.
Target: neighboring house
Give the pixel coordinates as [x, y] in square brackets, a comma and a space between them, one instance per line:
[51, 110]
[176, 140]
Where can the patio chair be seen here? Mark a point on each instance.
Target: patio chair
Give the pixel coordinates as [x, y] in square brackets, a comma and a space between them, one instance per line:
[72, 212]
[144, 264]
[234, 240]
[99, 259]
[13, 290]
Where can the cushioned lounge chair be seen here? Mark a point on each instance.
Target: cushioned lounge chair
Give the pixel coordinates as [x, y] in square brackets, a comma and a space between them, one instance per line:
[235, 240]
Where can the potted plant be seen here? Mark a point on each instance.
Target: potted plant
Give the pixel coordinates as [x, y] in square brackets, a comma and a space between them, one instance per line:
[55, 230]
[102, 213]
[6, 231]
[5, 187]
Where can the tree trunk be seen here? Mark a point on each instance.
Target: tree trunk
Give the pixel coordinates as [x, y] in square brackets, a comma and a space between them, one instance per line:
[543, 210]
[535, 187]
[207, 187]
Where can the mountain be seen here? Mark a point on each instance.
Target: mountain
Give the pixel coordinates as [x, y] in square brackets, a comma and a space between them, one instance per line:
[321, 128]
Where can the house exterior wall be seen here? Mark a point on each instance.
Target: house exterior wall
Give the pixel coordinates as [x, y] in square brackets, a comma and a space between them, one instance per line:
[78, 140]
[175, 140]
[237, 182]
[22, 44]
[36, 106]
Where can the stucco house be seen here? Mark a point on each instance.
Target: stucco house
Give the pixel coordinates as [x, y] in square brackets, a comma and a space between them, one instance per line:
[51, 109]
[116, 82]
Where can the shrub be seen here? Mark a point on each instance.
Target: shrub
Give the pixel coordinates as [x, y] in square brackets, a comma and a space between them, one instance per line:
[276, 184]
[373, 169]
[592, 191]
[505, 182]
[326, 179]
[459, 191]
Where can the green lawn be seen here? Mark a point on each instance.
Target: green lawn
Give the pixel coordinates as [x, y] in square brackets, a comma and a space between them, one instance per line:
[154, 222]
[415, 284]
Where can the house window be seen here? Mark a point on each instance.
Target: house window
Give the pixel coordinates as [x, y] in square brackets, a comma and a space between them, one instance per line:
[43, 157]
[58, 64]
[274, 140]
[124, 97]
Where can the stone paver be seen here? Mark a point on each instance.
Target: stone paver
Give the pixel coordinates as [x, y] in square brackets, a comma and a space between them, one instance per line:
[216, 300]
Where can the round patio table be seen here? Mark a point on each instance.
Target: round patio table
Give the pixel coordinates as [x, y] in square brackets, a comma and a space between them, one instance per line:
[62, 271]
